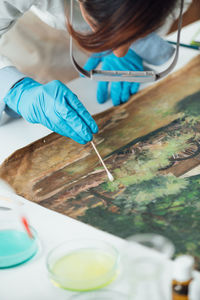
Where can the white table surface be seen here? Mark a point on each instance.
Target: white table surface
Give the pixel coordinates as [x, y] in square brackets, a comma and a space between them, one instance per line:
[30, 281]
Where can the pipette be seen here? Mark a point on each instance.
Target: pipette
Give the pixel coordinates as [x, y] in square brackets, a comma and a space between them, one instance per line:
[110, 177]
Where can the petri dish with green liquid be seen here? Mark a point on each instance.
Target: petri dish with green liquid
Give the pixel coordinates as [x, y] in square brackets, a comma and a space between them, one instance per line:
[16, 247]
[83, 265]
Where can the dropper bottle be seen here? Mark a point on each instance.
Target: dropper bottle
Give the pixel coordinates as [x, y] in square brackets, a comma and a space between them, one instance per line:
[182, 277]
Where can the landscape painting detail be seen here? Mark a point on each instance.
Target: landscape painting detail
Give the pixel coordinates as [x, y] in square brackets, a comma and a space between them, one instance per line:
[149, 144]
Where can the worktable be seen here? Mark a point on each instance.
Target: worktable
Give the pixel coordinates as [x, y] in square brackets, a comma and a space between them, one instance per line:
[30, 280]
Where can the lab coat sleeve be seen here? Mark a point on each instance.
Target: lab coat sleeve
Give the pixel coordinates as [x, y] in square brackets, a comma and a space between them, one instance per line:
[153, 49]
[8, 77]
[10, 11]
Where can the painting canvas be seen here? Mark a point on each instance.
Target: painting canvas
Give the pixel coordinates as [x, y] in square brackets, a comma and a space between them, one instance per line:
[149, 144]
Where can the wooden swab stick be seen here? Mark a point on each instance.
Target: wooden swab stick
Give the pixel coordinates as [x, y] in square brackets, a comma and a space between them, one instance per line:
[110, 177]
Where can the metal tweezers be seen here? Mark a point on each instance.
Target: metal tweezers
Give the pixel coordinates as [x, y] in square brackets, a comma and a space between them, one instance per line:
[130, 76]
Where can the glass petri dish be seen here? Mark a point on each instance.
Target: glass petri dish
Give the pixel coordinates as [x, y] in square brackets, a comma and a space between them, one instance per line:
[83, 265]
[101, 295]
[156, 242]
[16, 247]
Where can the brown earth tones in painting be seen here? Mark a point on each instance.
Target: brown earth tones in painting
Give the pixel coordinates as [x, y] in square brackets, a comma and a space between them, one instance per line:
[50, 168]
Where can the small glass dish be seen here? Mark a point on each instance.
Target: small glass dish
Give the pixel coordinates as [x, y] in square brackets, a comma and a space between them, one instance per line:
[83, 265]
[101, 295]
[154, 241]
[16, 247]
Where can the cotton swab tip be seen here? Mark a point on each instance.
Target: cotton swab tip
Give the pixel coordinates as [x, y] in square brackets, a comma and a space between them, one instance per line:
[110, 177]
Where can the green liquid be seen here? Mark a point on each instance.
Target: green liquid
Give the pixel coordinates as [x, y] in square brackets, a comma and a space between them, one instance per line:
[84, 270]
[15, 248]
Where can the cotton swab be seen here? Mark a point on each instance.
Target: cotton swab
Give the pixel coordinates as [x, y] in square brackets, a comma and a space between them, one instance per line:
[110, 177]
[26, 226]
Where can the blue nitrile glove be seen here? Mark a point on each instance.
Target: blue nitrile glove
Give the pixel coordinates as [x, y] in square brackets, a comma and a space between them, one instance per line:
[54, 106]
[120, 91]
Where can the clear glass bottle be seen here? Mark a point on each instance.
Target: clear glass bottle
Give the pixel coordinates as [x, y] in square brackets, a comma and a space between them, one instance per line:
[182, 277]
[16, 247]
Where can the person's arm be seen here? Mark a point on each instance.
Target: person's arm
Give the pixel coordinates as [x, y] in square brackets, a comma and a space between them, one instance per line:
[53, 104]
[10, 11]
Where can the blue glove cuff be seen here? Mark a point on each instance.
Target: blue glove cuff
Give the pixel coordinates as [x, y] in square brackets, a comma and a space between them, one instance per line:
[12, 99]
[8, 77]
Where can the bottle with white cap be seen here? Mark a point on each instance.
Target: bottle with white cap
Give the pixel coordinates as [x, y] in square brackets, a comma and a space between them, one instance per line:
[182, 276]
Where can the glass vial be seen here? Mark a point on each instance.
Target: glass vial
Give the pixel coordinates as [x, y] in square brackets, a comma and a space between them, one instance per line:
[182, 277]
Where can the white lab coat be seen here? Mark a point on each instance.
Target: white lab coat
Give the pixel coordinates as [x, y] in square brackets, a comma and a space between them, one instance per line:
[34, 37]
[50, 12]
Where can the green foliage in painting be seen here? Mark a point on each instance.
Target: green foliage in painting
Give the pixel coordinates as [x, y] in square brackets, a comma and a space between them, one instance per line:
[175, 215]
[190, 105]
[143, 198]
[137, 196]
[145, 165]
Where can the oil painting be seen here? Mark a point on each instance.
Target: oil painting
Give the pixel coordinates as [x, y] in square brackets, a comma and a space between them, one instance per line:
[149, 145]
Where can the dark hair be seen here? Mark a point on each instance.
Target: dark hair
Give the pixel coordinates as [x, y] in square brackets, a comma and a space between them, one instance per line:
[120, 22]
